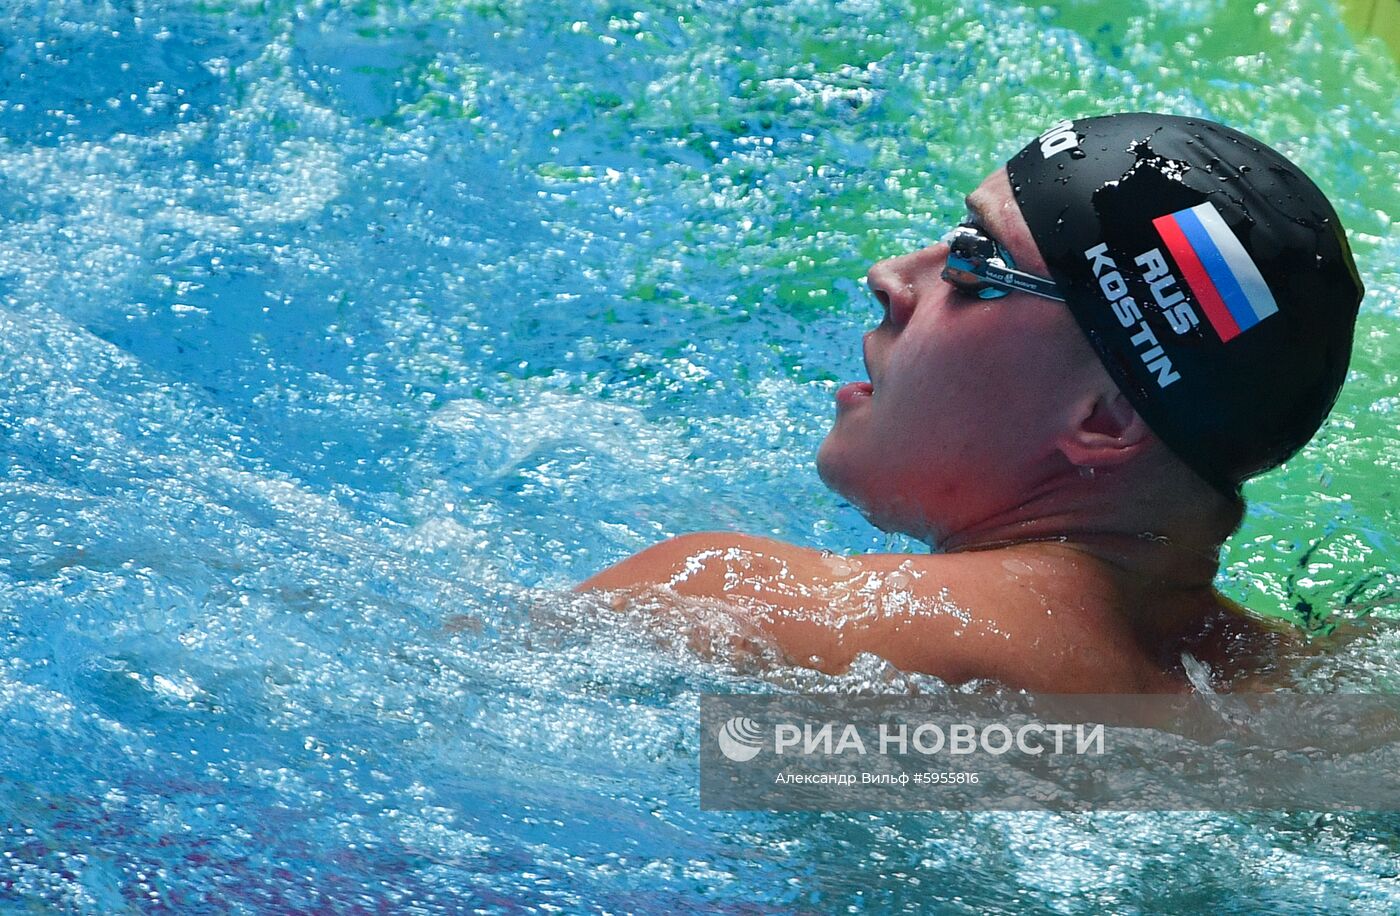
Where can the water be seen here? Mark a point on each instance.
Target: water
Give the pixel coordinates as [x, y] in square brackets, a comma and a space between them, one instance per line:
[338, 340]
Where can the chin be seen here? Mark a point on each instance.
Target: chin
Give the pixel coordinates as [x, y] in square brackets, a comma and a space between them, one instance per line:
[852, 479]
[837, 471]
[900, 518]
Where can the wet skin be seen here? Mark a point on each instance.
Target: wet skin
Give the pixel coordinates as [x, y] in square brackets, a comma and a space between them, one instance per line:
[990, 431]
[1040, 616]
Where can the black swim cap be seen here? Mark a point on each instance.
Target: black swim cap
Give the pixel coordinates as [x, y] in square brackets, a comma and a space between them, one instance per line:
[1211, 275]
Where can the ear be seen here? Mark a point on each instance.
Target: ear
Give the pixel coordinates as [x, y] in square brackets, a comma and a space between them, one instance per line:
[1106, 431]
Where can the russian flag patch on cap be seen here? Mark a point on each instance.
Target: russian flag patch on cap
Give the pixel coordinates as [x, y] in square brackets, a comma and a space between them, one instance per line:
[1218, 270]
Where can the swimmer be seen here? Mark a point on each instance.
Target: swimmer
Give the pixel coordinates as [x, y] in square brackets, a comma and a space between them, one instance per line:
[1138, 313]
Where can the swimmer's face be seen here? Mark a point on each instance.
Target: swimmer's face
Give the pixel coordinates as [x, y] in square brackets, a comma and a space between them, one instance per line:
[970, 396]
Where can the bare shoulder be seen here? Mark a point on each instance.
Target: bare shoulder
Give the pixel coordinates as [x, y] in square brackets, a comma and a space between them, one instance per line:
[821, 608]
[959, 616]
[727, 564]
[704, 563]
[1242, 650]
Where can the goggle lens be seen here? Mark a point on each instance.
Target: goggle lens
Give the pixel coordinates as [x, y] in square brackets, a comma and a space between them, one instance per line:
[979, 266]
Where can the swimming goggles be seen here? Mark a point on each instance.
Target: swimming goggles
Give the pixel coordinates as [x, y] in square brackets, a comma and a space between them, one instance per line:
[981, 267]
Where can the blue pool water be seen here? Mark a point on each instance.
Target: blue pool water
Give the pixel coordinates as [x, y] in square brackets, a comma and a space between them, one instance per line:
[338, 340]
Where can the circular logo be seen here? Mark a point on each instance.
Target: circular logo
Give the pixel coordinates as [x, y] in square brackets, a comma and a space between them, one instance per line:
[740, 739]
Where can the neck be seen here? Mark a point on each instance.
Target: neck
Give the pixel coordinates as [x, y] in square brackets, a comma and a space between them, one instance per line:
[1163, 543]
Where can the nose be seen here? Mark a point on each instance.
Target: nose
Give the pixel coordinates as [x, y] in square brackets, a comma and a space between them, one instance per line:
[891, 289]
[892, 281]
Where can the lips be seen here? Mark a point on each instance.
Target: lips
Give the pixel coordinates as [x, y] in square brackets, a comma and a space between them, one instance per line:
[854, 392]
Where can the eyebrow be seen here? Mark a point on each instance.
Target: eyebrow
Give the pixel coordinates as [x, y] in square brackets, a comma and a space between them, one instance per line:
[979, 212]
